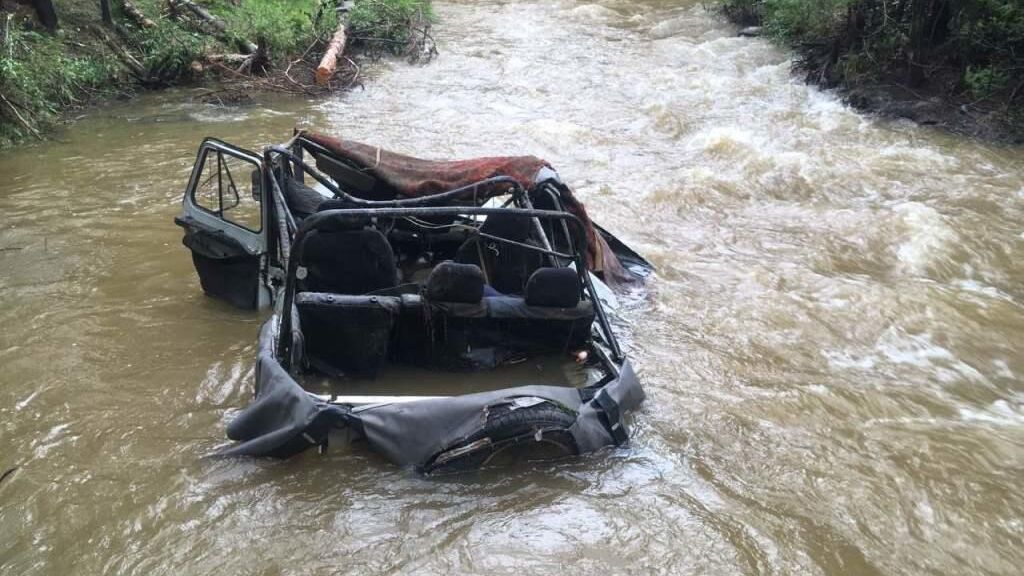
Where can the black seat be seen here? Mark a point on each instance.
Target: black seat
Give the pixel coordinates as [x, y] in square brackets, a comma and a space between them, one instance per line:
[553, 287]
[347, 334]
[348, 261]
[453, 282]
[301, 199]
[506, 266]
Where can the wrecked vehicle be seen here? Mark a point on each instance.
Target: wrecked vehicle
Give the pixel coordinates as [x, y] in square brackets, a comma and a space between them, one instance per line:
[384, 271]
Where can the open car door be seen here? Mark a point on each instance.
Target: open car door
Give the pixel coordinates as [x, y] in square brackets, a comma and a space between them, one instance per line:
[224, 216]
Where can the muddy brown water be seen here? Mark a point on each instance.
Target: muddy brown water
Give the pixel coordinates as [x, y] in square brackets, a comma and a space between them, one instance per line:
[831, 346]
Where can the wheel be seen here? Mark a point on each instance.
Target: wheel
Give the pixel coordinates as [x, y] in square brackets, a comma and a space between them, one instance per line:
[511, 435]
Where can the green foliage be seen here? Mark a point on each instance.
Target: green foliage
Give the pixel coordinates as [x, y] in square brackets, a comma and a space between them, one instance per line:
[804, 19]
[38, 77]
[984, 81]
[168, 50]
[286, 26]
[974, 46]
[388, 24]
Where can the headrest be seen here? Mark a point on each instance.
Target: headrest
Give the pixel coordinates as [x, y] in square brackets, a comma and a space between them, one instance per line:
[452, 282]
[553, 287]
[508, 226]
[341, 222]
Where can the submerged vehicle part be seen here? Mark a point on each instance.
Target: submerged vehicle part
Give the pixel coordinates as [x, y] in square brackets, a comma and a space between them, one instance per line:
[465, 267]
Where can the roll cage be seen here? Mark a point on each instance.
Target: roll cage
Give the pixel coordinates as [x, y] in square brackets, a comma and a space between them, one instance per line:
[287, 161]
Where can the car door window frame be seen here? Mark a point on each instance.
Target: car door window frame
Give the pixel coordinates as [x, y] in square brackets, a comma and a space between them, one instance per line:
[206, 149]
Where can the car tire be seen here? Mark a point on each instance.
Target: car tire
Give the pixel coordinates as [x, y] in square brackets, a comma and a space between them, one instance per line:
[539, 432]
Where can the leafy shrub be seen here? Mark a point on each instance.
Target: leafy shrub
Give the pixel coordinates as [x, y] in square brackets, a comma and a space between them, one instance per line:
[388, 25]
[804, 19]
[286, 26]
[38, 77]
[168, 51]
[985, 81]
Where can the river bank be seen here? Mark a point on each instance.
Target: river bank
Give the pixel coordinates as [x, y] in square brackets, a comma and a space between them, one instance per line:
[54, 61]
[954, 67]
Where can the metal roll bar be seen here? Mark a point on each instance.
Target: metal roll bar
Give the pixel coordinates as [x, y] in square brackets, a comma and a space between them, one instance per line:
[470, 191]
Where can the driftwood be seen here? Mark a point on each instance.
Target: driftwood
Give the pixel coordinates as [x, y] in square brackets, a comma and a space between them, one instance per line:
[335, 48]
[24, 123]
[229, 59]
[127, 59]
[137, 15]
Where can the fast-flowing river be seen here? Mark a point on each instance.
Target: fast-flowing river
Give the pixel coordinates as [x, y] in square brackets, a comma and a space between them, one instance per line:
[832, 345]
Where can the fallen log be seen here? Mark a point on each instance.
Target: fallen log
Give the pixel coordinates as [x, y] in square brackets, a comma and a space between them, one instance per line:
[27, 125]
[127, 59]
[329, 63]
[229, 59]
[229, 62]
[137, 15]
[335, 48]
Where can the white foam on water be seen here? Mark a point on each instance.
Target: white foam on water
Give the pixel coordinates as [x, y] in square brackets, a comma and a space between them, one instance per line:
[846, 360]
[1002, 412]
[928, 237]
[22, 403]
[981, 289]
[725, 140]
[53, 438]
[1002, 369]
[594, 13]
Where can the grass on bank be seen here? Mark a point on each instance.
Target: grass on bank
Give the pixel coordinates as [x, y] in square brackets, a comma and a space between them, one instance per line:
[43, 74]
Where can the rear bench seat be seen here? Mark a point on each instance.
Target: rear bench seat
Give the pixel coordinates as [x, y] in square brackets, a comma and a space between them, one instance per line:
[451, 325]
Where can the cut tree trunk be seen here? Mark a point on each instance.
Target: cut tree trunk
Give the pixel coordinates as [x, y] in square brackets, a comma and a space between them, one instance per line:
[335, 48]
[329, 63]
[137, 15]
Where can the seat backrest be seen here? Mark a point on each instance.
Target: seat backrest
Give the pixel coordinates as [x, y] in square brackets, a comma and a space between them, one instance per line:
[453, 282]
[554, 287]
[506, 266]
[455, 335]
[353, 261]
[301, 199]
[347, 334]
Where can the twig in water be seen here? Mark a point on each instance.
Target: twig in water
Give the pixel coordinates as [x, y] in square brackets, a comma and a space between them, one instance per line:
[24, 122]
[8, 473]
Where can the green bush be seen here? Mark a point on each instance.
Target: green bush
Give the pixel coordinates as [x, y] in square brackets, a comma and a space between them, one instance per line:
[286, 26]
[38, 77]
[984, 81]
[168, 50]
[387, 25]
[804, 20]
